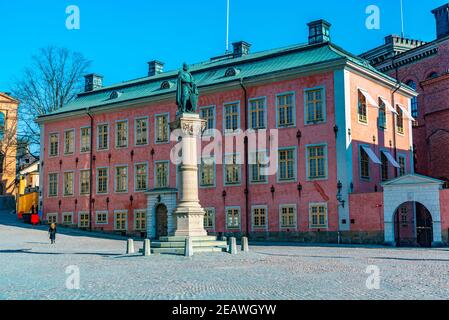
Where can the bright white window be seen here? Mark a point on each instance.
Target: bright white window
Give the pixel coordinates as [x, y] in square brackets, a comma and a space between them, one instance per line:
[121, 179]
[69, 142]
[54, 144]
[121, 134]
[209, 219]
[85, 140]
[233, 218]
[68, 183]
[141, 131]
[140, 222]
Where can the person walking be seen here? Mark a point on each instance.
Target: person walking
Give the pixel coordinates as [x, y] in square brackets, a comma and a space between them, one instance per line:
[52, 233]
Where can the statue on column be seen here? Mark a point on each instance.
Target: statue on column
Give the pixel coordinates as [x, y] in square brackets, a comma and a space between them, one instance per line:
[187, 92]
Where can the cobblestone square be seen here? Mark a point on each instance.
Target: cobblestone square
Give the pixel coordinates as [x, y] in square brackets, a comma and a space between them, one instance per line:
[31, 268]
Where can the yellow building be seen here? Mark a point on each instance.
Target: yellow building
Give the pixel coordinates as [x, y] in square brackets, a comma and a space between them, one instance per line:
[8, 144]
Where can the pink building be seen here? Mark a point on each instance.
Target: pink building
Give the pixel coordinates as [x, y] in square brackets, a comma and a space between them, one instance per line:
[344, 128]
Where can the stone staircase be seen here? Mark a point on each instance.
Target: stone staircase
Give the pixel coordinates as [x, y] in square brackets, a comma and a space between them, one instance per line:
[176, 245]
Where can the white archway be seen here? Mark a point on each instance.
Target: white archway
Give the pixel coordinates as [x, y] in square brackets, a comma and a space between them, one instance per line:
[412, 188]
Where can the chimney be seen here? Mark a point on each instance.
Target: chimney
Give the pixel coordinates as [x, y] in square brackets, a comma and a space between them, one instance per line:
[92, 82]
[241, 48]
[155, 67]
[319, 31]
[442, 20]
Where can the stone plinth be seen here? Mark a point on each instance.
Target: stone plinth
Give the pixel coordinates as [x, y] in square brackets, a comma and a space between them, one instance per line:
[189, 215]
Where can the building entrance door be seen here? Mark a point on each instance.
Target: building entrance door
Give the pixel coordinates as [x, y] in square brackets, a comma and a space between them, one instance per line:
[161, 221]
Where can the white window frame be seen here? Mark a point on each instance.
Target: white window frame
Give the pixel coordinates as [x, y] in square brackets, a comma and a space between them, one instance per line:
[213, 219]
[115, 178]
[135, 176]
[295, 209]
[239, 183]
[49, 144]
[73, 184]
[79, 182]
[295, 165]
[79, 219]
[107, 136]
[155, 173]
[96, 180]
[115, 220]
[314, 204]
[239, 129]
[253, 225]
[81, 139]
[293, 94]
[146, 119]
[73, 142]
[97, 213]
[135, 219]
[200, 172]
[57, 185]
[210, 132]
[156, 116]
[53, 214]
[265, 116]
[226, 218]
[117, 122]
[66, 214]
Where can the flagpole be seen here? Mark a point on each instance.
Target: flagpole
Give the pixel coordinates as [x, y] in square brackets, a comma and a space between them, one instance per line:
[227, 26]
[402, 19]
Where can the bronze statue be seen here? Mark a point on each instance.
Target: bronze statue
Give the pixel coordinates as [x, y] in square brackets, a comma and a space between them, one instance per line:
[187, 92]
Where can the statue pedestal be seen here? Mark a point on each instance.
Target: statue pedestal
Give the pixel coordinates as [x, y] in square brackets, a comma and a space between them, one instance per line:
[189, 215]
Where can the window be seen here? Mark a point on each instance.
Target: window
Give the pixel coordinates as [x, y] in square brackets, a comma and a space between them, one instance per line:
[53, 185]
[2, 125]
[231, 117]
[67, 218]
[208, 114]
[288, 216]
[412, 85]
[103, 137]
[362, 108]
[120, 220]
[85, 140]
[121, 179]
[404, 215]
[257, 114]
[52, 218]
[161, 180]
[259, 217]
[314, 106]
[140, 220]
[258, 163]
[209, 219]
[69, 142]
[121, 134]
[286, 165]
[232, 169]
[141, 133]
[101, 217]
[285, 110]
[403, 165]
[400, 120]
[317, 164]
[68, 183]
[141, 177]
[384, 167]
[84, 182]
[382, 115]
[162, 134]
[207, 172]
[83, 221]
[318, 216]
[102, 180]
[364, 164]
[233, 218]
[54, 144]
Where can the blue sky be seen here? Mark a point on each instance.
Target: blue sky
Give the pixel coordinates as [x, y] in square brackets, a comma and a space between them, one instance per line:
[121, 36]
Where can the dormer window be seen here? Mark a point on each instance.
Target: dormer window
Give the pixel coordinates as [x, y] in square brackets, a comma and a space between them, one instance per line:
[167, 85]
[115, 95]
[232, 72]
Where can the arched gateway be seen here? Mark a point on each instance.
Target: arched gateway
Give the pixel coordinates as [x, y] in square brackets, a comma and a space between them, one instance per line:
[412, 211]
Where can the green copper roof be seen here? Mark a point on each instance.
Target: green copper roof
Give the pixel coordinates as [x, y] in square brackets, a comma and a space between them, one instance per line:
[213, 72]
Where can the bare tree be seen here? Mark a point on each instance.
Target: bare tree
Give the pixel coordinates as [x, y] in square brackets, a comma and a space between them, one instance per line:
[53, 79]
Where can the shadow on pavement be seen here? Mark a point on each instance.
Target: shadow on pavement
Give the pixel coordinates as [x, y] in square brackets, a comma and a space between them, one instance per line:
[28, 251]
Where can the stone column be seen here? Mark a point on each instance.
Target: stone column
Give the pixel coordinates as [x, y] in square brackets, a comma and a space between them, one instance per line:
[189, 215]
